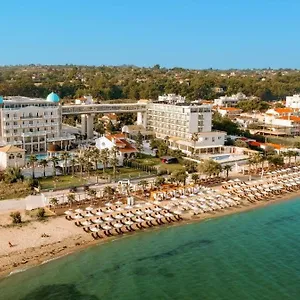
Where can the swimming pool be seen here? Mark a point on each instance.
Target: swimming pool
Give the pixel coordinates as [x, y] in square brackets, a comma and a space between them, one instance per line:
[221, 157]
[38, 156]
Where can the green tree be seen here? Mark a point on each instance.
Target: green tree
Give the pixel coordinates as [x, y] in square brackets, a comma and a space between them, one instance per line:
[180, 176]
[13, 174]
[209, 167]
[16, 217]
[53, 201]
[65, 156]
[139, 142]
[113, 160]
[44, 163]
[159, 181]
[54, 161]
[71, 198]
[195, 177]
[194, 138]
[32, 160]
[227, 169]
[104, 158]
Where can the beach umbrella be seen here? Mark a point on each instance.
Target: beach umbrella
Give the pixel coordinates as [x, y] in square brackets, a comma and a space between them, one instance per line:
[78, 217]
[88, 214]
[98, 221]
[119, 209]
[128, 222]
[94, 229]
[139, 213]
[118, 203]
[118, 225]
[68, 212]
[108, 219]
[99, 213]
[129, 215]
[108, 204]
[139, 220]
[79, 210]
[106, 227]
[119, 216]
[89, 208]
[128, 207]
[109, 210]
[148, 211]
[149, 218]
[86, 223]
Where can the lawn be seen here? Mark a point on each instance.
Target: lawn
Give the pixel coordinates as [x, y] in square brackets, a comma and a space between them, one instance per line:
[14, 190]
[156, 162]
[125, 172]
[61, 182]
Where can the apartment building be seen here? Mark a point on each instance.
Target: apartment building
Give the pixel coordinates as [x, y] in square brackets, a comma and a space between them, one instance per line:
[32, 123]
[180, 122]
[226, 101]
[293, 101]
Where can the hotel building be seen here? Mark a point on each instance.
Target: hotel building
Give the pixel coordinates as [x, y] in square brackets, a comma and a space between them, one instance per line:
[180, 122]
[32, 124]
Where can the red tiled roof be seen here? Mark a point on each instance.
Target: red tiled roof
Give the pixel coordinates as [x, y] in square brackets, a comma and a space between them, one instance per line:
[292, 118]
[229, 108]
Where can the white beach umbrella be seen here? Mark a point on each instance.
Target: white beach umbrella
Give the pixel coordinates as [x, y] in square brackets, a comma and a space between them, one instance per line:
[148, 218]
[94, 229]
[99, 213]
[89, 208]
[129, 215]
[79, 210]
[108, 219]
[118, 225]
[86, 223]
[106, 227]
[118, 216]
[118, 203]
[128, 222]
[78, 217]
[68, 212]
[98, 221]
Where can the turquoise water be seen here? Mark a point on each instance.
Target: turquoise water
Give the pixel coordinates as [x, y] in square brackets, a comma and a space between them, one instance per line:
[38, 156]
[253, 255]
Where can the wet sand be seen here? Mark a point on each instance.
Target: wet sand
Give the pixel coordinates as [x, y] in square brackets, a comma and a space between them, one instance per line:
[30, 248]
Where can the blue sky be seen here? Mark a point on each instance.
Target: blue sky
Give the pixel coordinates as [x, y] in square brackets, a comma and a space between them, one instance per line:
[187, 33]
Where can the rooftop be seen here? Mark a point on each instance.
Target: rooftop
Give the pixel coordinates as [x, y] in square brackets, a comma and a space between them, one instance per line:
[11, 149]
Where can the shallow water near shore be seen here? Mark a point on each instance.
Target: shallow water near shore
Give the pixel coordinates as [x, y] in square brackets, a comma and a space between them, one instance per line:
[250, 255]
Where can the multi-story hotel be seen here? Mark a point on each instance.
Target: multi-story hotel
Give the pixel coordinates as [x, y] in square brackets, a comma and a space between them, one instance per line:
[181, 123]
[32, 124]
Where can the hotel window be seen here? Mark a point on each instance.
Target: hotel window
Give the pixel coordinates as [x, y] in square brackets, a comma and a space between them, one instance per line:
[213, 139]
[11, 156]
[219, 137]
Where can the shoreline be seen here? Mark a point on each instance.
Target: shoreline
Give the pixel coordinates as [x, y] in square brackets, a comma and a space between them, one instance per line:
[21, 260]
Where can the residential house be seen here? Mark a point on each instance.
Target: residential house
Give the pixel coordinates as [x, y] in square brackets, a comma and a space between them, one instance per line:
[11, 156]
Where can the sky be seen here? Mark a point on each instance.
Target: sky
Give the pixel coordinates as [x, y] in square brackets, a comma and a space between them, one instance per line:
[196, 34]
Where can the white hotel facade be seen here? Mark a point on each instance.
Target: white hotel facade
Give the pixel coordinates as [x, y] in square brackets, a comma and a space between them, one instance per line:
[32, 124]
[180, 122]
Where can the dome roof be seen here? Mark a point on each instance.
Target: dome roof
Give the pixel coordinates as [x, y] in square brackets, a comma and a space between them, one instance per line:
[52, 97]
[1, 100]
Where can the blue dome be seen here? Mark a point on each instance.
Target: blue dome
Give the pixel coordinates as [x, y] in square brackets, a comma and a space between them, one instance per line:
[1, 100]
[52, 97]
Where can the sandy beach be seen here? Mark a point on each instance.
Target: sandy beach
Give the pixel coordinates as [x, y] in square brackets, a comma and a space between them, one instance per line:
[30, 248]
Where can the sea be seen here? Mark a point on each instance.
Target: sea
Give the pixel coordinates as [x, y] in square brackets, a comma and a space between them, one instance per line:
[251, 255]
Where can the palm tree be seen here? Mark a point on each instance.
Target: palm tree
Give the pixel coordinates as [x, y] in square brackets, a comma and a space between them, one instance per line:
[104, 158]
[65, 156]
[44, 163]
[54, 161]
[296, 154]
[194, 138]
[71, 198]
[53, 201]
[195, 177]
[227, 169]
[95, 157]
[33, 159]
[289, 154]
[108, 191]
[113, 161]
[13, 174]
[73, 162]
[143, 183]
[92, 193]
[81, 160]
